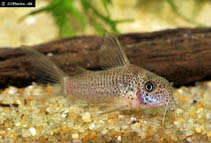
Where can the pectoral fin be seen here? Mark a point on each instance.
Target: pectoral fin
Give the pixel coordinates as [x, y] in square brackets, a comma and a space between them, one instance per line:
[121, 108]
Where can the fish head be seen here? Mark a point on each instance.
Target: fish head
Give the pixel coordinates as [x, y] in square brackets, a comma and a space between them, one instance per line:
[153, 90]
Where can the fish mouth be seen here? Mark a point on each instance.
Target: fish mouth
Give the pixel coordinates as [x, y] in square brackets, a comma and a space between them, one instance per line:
[151, 100]
[155, 103]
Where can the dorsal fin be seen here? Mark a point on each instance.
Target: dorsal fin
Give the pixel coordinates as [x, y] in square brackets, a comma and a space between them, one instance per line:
[112, 54]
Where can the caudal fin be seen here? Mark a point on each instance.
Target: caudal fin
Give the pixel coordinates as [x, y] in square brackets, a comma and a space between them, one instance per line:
[47, 72]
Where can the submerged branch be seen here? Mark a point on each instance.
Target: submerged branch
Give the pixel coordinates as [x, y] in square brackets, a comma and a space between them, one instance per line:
[182, 56]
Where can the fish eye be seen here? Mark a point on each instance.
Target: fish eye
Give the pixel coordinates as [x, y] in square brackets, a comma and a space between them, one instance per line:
[149, 86]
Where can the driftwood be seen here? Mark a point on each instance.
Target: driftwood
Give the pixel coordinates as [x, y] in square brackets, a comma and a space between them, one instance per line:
[182, 56]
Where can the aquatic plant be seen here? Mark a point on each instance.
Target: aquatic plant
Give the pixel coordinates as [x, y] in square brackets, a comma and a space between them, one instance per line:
[74, 16]
[66, 11]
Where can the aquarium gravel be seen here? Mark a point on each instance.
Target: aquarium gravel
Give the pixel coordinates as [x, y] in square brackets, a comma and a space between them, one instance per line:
[32, 114]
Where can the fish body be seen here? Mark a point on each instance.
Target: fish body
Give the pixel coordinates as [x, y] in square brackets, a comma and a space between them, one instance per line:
[126, 85]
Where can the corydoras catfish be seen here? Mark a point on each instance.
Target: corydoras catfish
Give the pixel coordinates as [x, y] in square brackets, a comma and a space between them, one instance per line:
[121, 83]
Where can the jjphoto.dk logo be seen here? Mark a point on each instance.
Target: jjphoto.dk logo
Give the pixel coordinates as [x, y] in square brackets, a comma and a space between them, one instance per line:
[3, 3]
[17, 3]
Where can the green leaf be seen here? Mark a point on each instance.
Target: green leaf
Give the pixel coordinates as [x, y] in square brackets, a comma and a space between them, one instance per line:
[71, 9]
[105, 4]
[99, 28]
[65, 29]
[85, 4]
